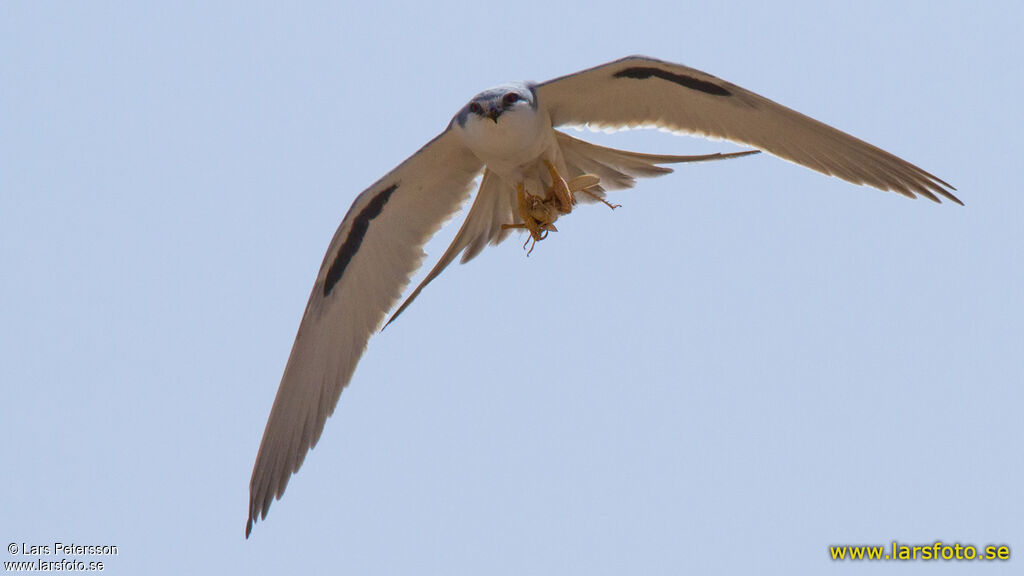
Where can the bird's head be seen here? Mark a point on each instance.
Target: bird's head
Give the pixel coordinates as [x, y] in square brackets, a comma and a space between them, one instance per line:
[499, 103]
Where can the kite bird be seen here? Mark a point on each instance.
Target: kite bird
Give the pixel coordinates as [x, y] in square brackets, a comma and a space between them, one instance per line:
[532, 174]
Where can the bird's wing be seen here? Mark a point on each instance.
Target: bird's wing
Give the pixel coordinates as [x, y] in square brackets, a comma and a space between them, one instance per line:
[495, 202]
[492, 207]
[619, 169]
[375, 250]
[638, 91]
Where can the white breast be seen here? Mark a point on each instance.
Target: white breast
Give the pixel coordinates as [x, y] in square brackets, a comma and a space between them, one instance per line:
[514, 146]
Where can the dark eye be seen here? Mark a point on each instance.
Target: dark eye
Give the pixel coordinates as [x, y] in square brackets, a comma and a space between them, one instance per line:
[476, 108]
[510, 99]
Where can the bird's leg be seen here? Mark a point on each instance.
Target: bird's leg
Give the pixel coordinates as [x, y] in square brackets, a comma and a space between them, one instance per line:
[559, 190]
[602, 200]
[583, 182]
[564, 191]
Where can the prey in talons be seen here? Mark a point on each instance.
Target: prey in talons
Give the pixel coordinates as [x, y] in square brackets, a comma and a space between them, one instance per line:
[538, 214]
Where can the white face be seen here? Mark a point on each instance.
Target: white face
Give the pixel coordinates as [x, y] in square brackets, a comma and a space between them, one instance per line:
[503, 123]
[492, 104]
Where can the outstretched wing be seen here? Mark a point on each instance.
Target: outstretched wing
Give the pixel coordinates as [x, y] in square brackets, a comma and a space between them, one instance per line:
[639, 91]
[492, 207]
[495, 202]
[374, 252]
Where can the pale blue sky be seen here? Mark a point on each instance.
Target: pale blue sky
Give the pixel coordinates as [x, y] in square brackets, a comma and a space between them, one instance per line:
[745, 363]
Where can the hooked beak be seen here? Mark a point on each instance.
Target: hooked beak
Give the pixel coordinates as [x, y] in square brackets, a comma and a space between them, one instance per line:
[493, 113]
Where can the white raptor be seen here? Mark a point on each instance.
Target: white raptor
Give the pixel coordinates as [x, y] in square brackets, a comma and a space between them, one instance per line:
[507, 134]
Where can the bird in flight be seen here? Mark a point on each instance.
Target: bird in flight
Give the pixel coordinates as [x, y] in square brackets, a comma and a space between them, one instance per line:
[530, 175]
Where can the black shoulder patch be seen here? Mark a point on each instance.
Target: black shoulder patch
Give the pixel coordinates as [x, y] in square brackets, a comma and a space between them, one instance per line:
[360, 225]
[644, 72]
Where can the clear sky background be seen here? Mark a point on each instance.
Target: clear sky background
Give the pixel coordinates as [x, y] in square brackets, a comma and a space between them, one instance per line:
[747, 362]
